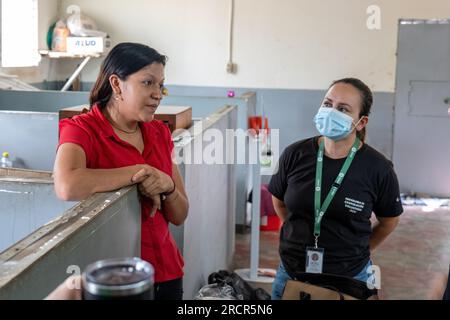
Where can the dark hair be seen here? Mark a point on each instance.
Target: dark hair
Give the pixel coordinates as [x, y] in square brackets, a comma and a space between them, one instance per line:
[123, 60]
[366, 98]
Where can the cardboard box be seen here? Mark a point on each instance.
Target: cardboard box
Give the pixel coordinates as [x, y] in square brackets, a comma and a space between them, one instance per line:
[72, 111]
[86, 45]
[174, 117]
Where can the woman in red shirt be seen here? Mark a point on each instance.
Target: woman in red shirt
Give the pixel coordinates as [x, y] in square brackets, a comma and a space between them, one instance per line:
[117, 144]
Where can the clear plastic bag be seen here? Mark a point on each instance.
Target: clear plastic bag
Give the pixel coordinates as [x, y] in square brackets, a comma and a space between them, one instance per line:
[217, 291]
[80, 25]
[243, 290]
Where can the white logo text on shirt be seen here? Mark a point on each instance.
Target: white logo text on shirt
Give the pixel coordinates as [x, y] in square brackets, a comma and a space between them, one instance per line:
[353, 205]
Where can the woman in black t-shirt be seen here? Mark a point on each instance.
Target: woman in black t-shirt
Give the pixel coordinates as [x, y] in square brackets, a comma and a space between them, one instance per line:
[326, 189]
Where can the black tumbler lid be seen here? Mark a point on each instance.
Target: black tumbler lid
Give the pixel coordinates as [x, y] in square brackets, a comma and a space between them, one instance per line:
[118, 277]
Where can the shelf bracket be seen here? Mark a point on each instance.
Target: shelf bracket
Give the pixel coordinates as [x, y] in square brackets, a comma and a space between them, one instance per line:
[76, 73]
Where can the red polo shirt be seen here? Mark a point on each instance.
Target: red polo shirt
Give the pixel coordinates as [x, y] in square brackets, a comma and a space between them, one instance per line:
[105, 150]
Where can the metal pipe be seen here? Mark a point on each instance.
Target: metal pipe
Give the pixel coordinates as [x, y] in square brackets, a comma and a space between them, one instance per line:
[76, 73]
[256, 216]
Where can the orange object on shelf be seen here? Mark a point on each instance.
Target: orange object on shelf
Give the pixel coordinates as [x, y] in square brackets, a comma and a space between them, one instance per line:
[60, 34]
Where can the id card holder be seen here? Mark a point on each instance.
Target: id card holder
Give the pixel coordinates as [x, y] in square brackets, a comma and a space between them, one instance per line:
[314, 260]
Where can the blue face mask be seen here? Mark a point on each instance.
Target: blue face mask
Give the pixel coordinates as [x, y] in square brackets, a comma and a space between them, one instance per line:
[333, 124]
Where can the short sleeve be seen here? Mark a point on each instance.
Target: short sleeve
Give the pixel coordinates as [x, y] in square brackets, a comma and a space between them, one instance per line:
[70, 132]
[278, 183]
[388, 202]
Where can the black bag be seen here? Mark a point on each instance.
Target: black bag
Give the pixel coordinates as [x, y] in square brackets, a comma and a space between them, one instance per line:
[240, 286]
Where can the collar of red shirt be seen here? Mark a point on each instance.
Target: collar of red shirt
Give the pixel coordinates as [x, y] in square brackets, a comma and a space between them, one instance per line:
[105, 126]
[107, 130]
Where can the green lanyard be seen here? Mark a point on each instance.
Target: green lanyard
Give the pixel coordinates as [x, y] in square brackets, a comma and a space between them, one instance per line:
[319, 211]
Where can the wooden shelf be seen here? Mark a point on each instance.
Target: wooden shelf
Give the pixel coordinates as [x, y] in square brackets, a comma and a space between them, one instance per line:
[58, 55]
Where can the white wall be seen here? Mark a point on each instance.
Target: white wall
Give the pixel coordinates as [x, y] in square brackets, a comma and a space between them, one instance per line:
[297, 44]
[48, 11]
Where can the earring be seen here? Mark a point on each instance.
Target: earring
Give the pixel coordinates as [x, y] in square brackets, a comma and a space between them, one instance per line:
[117, 97]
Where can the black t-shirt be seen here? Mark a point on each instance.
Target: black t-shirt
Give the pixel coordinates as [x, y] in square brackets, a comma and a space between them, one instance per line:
[370, 185]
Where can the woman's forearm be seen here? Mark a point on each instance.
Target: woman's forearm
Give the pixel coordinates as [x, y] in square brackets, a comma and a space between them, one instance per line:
[79, 184]
[176, 207]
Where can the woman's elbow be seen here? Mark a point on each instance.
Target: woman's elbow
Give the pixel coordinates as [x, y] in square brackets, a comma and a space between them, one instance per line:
[67, 191]
[64, 192]
[180, 218]
[177, 222]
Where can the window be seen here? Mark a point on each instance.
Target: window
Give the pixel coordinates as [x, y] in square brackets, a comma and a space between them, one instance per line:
[19, 33]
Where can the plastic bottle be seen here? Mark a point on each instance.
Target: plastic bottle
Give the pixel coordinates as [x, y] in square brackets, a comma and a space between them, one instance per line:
[60, 34]
[5, 162]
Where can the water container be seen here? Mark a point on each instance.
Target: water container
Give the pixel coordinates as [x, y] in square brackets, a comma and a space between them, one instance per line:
[5, 162]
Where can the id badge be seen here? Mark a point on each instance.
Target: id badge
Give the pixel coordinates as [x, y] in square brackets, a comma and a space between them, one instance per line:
[314, 260]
